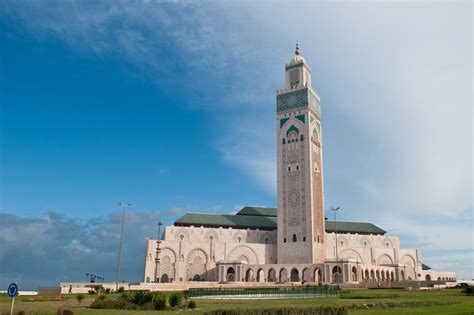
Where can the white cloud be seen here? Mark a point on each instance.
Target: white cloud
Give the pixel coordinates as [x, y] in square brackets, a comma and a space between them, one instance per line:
[46, 250]
[77, 248]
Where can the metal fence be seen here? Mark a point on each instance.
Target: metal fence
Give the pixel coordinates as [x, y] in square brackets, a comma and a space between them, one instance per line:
[264, 293]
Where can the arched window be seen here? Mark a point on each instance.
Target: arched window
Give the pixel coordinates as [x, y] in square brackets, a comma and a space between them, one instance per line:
[266, 240]
[284, 240]
[318, 238]
[301, 137]
[304, 238]
[283, 141]
[294, 237]
[239, 239]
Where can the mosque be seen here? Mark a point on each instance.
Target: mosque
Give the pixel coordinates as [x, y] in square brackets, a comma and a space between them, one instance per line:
[294, 242]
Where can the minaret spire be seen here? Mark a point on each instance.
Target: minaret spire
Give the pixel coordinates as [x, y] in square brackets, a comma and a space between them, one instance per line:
[297, 50]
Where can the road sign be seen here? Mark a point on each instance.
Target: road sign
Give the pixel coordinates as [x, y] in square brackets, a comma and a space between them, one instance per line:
[12, 290]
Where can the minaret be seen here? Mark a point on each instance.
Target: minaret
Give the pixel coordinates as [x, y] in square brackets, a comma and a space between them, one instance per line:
[300, 172]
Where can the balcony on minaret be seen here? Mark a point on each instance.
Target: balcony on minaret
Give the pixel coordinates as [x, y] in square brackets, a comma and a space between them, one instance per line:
[299, 86]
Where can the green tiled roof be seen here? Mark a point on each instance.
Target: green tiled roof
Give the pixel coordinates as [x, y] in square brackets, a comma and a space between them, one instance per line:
[260, 211]
[353, 227]
[227, 220]
[265, 219]
[425, 267]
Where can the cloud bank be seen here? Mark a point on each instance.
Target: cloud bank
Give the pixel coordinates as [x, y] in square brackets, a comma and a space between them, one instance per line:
[46, 250]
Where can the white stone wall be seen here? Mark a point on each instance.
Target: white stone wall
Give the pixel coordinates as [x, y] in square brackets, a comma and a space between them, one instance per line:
[190, 251]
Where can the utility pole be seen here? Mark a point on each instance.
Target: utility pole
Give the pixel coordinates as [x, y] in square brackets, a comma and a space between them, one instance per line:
[157, 259]
[124, 205]
[337, 254]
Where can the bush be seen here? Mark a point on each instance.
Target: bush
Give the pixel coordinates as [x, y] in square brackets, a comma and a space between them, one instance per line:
[141, 298]
[125, 297]
[92, 291]
[468, 290]
[79, 298]
[64, 312]
[120, 290]
[192, 304]
[175, 299]
[159, 302]
[115, 304]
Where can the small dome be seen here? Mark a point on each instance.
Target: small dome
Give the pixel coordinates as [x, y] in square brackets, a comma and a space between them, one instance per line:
[297, 57]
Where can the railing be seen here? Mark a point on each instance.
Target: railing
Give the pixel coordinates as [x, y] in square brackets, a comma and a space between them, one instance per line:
[262, 293]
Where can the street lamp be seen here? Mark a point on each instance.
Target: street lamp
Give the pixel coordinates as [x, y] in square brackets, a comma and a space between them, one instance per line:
[157, 259]
[124, 205]
[337, 254]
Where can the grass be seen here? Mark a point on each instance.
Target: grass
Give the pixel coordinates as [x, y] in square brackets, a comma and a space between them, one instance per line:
[401, 302]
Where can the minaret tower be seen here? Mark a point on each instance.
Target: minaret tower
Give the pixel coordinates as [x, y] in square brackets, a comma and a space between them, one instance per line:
[300, 171]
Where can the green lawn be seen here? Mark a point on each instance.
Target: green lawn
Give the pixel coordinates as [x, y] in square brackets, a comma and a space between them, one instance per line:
[460, 304]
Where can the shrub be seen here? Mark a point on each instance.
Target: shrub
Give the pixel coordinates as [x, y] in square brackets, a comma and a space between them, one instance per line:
[175, 299]
[159, 302]
[115, 304]
[186, 295]
[120, 290]
[101, 297]
[92, 291]
[79, 298]
[64, 312]
[141, 297]
[468, 290]
[192, 304]
[125, 297]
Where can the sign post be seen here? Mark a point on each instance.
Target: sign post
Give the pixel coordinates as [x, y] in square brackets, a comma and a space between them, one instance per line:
[12, 292]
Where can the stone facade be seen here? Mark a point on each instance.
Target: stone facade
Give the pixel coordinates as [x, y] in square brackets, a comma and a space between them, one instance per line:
[206, 254]
[250, 247]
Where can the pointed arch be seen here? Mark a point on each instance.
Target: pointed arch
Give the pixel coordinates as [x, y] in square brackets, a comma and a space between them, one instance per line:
[283, 276]
[292, 129]
[243, 251]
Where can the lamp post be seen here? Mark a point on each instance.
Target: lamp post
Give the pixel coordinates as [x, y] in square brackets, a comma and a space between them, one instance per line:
[337, 254]
[157, 259]
[124, 205]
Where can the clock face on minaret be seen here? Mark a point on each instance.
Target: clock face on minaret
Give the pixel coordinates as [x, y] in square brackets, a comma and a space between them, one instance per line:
[300, 172]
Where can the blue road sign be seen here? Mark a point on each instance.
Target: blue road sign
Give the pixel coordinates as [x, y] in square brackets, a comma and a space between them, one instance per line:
[12, 290]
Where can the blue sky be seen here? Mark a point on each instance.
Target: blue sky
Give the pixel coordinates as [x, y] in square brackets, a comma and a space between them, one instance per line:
[171, 106]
